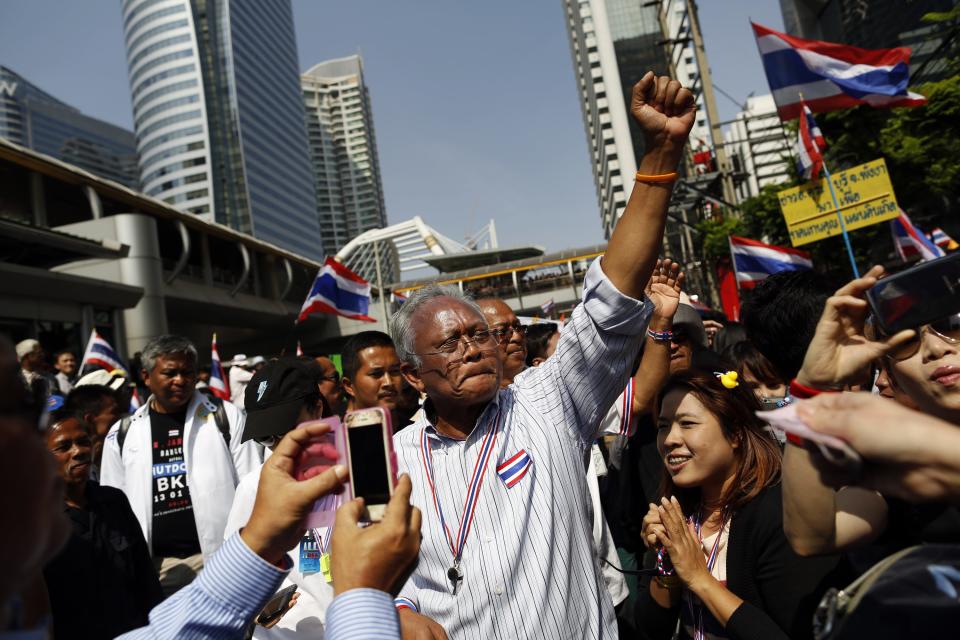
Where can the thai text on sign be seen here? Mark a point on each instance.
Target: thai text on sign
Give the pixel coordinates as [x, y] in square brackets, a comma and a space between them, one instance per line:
[864, 194]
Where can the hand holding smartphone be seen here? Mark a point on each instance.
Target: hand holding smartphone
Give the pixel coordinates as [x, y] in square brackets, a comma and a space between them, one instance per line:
[371, 459]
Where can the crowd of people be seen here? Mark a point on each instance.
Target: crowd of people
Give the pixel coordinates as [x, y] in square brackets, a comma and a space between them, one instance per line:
[613, 477]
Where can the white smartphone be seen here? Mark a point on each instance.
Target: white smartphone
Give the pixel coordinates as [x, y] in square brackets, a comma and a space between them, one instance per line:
[370, 459]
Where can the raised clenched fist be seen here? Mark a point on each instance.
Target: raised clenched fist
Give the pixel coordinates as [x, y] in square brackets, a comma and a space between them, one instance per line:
[664, 109]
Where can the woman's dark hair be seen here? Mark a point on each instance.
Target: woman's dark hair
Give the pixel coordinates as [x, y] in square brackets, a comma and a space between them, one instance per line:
[744, 356]
[757, 454]
[538, 337]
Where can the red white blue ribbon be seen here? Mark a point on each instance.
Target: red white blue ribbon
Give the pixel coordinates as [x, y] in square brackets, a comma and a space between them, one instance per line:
[696, 612]
[473, 489]
[513, 470]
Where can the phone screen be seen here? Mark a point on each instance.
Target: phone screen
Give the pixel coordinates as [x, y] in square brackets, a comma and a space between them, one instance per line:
[368, 461]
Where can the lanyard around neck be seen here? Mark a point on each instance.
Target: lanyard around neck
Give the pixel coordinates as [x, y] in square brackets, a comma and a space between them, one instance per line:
[473, 489]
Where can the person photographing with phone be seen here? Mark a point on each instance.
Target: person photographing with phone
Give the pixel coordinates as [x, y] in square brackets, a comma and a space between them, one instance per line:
[823, 511]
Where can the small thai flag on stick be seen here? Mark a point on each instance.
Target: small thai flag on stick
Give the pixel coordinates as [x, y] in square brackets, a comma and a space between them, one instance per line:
[810, 145]
[100, 354]
[218, 381]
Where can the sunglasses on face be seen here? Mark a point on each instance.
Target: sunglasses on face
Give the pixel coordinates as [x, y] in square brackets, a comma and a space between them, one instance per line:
[946, 329]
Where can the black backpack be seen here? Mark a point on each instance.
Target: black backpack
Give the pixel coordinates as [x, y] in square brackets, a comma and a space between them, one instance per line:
[219, 416]
[914, 593]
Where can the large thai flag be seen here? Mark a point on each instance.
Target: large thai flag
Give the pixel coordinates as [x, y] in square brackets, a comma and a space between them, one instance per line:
[911, 242]
[100, 354]
[218, 381]
[339, 291]
[810, 145]
[832, 76]
[754, 261]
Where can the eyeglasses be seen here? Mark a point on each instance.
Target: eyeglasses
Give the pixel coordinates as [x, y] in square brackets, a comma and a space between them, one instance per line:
[482, 338]
[506, 333]
[947, 329]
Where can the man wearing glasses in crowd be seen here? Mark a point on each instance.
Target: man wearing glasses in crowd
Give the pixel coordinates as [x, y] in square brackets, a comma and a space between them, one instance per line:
[499, 472]
[509, 334]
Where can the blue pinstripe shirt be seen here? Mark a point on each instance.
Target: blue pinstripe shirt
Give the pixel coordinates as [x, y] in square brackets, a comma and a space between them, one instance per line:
[234, 586]
[529, 565]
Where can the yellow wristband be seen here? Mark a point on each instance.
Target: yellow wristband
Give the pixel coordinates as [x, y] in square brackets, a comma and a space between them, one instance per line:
[656, 179]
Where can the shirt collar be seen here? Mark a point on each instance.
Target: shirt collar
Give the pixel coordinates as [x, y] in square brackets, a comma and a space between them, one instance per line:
[430, 417]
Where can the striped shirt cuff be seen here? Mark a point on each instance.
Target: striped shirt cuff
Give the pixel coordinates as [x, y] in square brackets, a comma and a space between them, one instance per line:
[359, 614]
[611, 310]
[239, 578]
[406, 603]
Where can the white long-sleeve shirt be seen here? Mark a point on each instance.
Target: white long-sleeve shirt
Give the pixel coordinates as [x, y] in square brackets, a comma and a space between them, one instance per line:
[529, 566]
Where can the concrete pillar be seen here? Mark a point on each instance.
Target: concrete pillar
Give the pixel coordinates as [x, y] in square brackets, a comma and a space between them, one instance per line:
[38, 201]
[142, 268]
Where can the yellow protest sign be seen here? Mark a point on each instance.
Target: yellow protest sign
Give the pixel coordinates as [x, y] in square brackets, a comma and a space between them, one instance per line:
[864, 194]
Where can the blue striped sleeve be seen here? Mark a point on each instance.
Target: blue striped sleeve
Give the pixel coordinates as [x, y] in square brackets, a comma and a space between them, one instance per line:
[361, 614]
[233, 587]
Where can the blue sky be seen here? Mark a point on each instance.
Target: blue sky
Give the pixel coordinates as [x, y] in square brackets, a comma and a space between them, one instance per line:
[475, 106]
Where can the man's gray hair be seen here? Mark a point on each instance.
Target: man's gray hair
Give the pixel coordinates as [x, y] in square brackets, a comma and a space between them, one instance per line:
[400, 323]
[165, 346]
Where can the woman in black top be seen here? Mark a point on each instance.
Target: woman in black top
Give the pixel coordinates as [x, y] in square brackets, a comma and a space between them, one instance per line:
[720, 524]
[102, 583]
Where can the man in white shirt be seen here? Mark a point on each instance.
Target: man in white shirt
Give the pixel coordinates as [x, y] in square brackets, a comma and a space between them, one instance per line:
[499, 473]
[283, 394]
[178, 459]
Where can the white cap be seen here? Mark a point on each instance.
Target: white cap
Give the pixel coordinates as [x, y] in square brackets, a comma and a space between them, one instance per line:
[114, 379]
[25, 347]
[238, 360]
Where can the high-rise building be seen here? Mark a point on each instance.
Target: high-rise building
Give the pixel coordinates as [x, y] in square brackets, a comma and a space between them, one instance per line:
[218, 114]
[758, 146]
[344, 151]
[613, 44]
[35, 119]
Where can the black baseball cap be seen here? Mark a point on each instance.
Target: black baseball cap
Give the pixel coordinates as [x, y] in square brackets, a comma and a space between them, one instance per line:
[276, 393]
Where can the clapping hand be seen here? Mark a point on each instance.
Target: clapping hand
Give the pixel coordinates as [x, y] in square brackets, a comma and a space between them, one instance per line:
[680, 541]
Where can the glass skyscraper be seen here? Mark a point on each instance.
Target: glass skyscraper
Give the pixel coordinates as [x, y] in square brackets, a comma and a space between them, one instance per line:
[219, 117]
[344, 150]
[33, 118]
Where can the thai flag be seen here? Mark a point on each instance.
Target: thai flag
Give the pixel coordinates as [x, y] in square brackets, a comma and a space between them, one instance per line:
[218, 381]
[942, 240]
[338, 291]
[99, 353]
[513, 470]
[810, 145]
[754, 261]
[134, 400]
[911, 242]
[832, 76]
[547, 307]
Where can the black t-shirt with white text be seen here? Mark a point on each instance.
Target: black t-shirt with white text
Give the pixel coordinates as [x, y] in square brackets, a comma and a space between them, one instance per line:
[174, 529]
